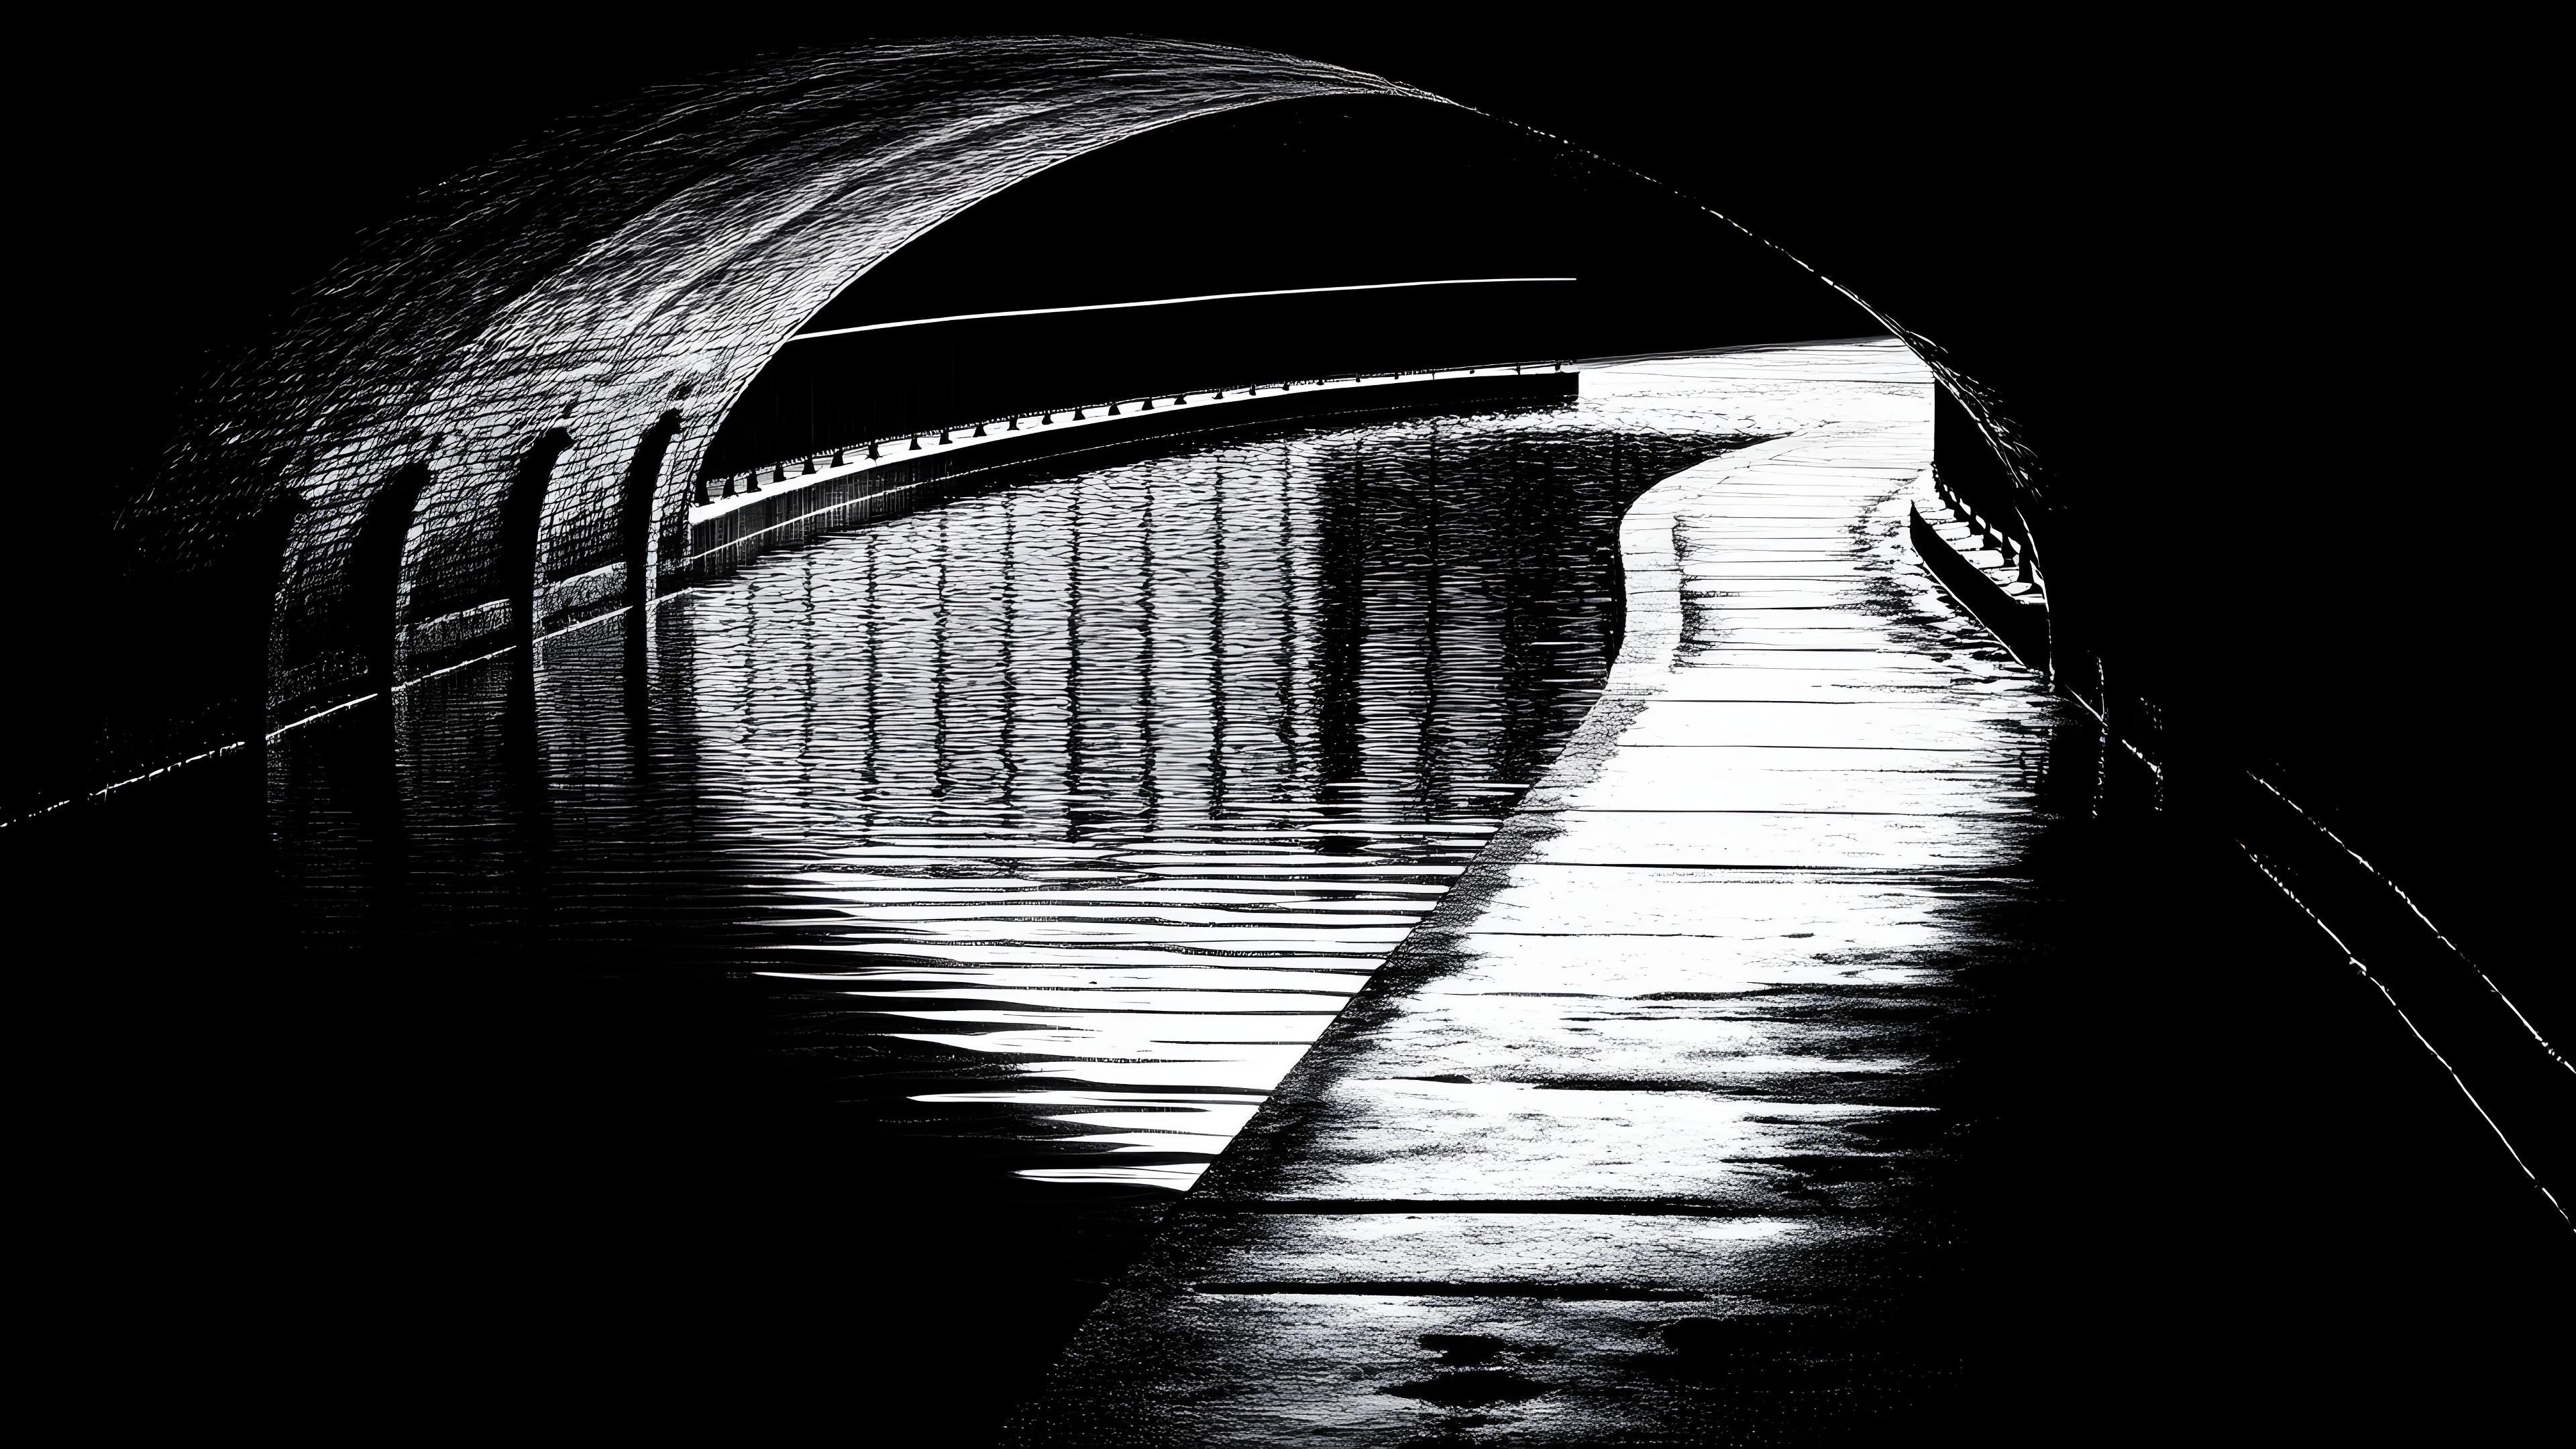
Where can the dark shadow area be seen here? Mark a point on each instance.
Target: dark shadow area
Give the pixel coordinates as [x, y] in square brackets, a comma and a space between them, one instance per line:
[1290, 195]
[463, 982]
[642, 492]
[2212, 1184]
[368, 623]
[522, 513]
[467, 569]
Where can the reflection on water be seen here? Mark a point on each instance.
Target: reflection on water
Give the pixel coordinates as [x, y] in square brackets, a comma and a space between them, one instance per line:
[1041, 832]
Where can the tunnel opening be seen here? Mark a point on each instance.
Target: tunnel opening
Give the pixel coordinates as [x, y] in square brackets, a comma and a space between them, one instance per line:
[1299, 233]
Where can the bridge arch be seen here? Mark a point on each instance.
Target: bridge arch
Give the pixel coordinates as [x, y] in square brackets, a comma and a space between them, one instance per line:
[654, 253]
[618, 286]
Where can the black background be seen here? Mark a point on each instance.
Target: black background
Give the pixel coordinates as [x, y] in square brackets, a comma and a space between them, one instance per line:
[2277, 300]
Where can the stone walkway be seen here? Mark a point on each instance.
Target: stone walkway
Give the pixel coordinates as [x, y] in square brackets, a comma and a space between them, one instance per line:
[1641, 1136]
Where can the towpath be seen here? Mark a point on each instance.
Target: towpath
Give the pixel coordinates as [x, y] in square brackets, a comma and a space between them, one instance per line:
[1640, 1137]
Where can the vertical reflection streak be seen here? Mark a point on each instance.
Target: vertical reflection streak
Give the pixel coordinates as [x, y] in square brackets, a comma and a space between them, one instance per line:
[1010, 680]
[871, 632]
[1075, 780]
[1149, 776]
[939, 661]
[1140, 929]
[1219, 700]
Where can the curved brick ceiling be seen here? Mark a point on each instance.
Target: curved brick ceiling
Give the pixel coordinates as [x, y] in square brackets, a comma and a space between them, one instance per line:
[611, 287]
[647, 258]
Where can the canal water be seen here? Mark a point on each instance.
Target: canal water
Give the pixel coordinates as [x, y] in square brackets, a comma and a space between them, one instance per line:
[1043, 830]
[954, 888]
[808, 1004]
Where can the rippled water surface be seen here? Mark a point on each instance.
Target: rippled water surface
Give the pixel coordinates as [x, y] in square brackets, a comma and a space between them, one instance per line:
[1035, 834]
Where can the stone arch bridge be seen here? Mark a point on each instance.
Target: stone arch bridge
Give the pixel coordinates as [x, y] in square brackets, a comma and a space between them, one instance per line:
[497, 417]
[489, 420]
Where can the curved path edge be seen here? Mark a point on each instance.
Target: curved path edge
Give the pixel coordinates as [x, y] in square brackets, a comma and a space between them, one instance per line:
[1650, 1098]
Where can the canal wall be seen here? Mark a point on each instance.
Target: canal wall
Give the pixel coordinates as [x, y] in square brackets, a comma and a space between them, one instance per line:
[1635, 1138]
[725, 533]
[1961, 550]
[807, 497]
[493, 416]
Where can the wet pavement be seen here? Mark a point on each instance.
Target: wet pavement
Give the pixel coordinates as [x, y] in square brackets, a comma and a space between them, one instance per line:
[932, 903]
[1639, 1138]
[738, 1017]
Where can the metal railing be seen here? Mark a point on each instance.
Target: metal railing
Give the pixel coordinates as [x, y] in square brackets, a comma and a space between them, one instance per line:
[715, 488]
[2002, 529]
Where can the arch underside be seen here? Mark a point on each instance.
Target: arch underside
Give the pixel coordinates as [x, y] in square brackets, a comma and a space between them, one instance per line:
[603, 297]
[642, 261]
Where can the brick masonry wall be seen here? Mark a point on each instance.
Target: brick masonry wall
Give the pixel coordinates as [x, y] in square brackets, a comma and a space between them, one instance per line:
[642, 260]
